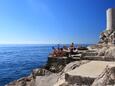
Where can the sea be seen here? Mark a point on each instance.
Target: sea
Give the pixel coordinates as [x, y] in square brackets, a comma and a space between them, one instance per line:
[18, 60]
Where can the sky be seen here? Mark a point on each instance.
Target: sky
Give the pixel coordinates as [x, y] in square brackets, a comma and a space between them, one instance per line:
[52, 21]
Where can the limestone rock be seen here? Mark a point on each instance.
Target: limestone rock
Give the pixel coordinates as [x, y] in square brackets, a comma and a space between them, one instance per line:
[110, 53]
[107, 37]
[102, 51]
[71, 66]
[40, 72]
[107, 77]
[85, 74]
[47, 80]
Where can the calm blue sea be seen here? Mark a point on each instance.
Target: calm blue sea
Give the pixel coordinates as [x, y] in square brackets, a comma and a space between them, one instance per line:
[17, 61]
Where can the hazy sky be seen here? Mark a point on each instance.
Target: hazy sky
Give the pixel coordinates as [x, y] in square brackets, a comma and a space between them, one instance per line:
[52, 21]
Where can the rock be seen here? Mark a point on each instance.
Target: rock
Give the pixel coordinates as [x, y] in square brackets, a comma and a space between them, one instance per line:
[40, 72]
[101, 52]
[69, 67]
[56, 79]
[56, 65]
[20, 82]
[48, 80]
[30, 80]
[110, 53]
[107, 37]
[107, 77]
[43, 77]
[85, 74]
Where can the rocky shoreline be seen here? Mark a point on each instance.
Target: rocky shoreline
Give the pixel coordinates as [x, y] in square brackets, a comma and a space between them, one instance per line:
[91, 66]
[55, 73]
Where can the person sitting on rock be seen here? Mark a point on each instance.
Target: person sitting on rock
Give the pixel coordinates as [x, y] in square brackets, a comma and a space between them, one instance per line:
[61, 52]
[58, 52]
[55, 52]
[71, 46]
[75, 51]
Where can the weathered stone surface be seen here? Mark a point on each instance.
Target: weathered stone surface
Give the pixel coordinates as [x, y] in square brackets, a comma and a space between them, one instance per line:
[85, 74]
[110, 53]
[107, 77]
[25, 81]
[107, 37]
[47, 80]
[30, 80]
[101, 52]
[71, 66]
[40, 72]
[85, 71]
[56, 64]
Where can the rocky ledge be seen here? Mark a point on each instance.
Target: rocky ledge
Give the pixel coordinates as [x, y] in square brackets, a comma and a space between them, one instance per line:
[95, 67]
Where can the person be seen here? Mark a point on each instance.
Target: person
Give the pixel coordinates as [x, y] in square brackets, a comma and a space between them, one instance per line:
[72, 46]
[61, 52]
[55, 52]
[75, 51]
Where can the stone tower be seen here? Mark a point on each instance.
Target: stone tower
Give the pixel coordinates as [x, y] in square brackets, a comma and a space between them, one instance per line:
[110, 13]
[108, 36]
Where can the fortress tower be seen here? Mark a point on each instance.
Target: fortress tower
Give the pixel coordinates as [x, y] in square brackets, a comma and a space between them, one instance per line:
[108, 36]
[110, 14]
